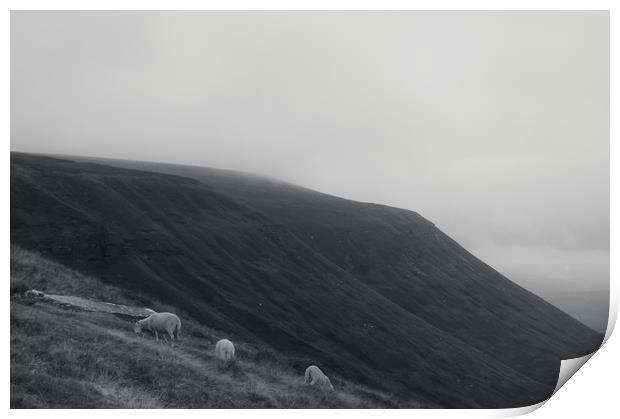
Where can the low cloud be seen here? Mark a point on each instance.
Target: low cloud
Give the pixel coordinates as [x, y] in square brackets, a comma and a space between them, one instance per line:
[494, 125]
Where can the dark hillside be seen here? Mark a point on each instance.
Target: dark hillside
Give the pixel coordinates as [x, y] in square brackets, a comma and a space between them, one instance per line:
[376, 293]
[406, 259]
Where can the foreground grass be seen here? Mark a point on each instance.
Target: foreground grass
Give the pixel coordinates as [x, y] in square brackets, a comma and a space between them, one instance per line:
[74, 359]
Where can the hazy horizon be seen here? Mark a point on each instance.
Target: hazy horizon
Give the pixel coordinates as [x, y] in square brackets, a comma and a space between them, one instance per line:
[492, 125]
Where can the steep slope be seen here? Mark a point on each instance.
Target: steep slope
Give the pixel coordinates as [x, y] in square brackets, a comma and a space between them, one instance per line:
[376, 293]
[406, 259]
[589, 307]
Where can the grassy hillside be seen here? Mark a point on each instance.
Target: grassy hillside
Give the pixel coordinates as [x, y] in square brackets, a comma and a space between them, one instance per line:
[75, 359]
[376, 294]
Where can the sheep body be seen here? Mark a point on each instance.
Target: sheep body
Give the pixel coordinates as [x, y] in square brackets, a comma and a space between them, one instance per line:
[160, 323]
[315, 377]
[224, 350]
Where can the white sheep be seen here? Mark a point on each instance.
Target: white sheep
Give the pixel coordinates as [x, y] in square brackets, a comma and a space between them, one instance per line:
[315, 377]
[160, 323]
[224, 350]
[149, 311]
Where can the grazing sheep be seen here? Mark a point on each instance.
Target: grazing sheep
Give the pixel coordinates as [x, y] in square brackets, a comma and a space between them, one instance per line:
[315, 377]
[160, 323]
[224, 350]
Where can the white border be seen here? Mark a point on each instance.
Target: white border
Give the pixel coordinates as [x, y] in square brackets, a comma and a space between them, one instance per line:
[593, 393]
[310, 5]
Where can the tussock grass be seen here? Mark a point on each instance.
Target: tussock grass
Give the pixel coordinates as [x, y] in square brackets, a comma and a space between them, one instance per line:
[74, 359]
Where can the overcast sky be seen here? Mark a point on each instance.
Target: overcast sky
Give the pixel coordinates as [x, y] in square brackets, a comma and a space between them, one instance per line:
[493, 125]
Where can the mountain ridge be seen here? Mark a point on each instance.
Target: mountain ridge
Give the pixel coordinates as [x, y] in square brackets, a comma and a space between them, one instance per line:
[276, 207]
[258, 260]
